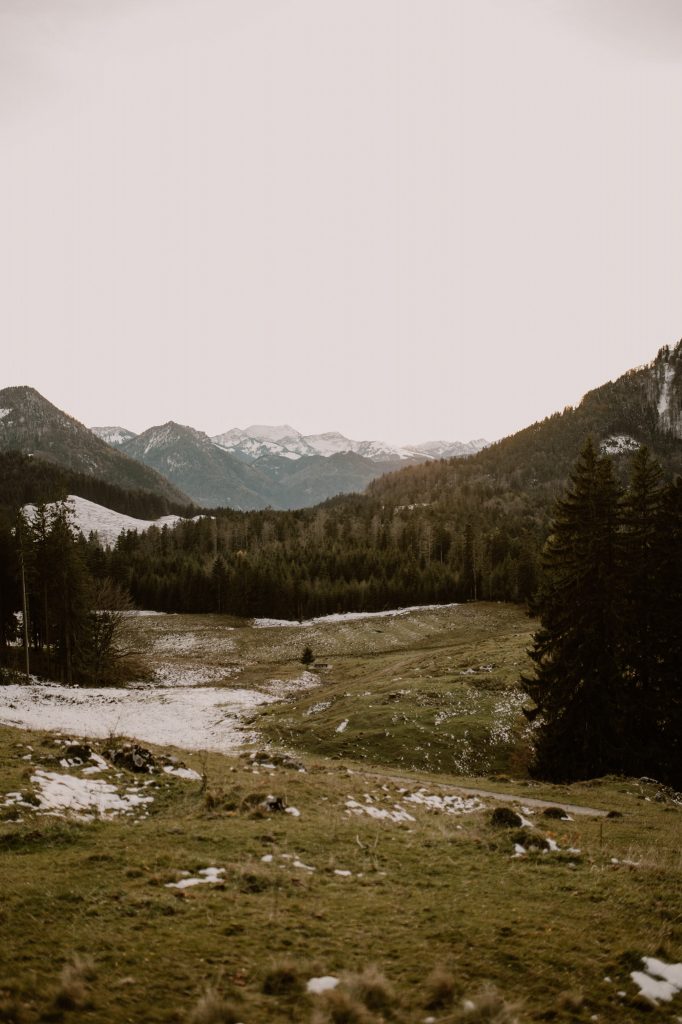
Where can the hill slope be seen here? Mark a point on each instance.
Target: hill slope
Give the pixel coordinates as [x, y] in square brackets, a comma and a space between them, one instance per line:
[643, 407]
[31, 424]
[213, 477]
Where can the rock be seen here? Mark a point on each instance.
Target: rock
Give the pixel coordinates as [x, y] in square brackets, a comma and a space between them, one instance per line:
[529, 839]
[555, 812]
[78, 752]
[504, 817]
[279, 760]
[131, 757]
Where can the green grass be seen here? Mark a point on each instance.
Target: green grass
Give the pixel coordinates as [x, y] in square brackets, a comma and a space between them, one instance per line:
[440, 892]
[435, 911]
[434, 690]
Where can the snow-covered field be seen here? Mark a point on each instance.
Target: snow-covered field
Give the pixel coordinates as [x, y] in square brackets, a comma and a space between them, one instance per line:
[107, 524]
[193, 718]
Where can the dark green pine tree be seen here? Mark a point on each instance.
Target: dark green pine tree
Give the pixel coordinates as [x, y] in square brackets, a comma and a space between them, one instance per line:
[669, 740]
[644, 552]
[577, 684]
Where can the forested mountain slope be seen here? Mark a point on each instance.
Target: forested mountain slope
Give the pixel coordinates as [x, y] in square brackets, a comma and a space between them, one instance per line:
[32, 425]
[643, 407]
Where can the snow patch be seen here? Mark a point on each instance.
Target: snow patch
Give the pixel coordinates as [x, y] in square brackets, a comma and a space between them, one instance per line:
[193, 718]
[57, 792]
[449, 804]
[316, 986]
[90, 517]
[205, 876]
[182, 773]
[619, 444]
[658, 980]
[397, 813]
[666, 384]
[350, 616]
[342, 726]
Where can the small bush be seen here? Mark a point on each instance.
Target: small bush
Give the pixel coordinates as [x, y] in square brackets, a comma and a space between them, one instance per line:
[283, 979]
[487, 1007]
[372, 989]
[441, 989]
[213, 1009]
[504, 817]
[73, 992]
[340, 1007]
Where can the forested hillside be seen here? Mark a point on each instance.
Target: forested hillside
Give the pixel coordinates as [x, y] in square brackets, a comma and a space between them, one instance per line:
[26, 480]
[453, 530]
[31, 424]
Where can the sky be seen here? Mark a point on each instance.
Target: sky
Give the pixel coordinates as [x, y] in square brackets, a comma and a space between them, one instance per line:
[403, 220]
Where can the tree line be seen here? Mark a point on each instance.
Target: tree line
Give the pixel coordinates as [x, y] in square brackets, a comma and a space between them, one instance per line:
[57, 618]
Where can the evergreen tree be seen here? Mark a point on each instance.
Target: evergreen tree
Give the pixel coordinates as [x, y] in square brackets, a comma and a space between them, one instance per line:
[643, 550]
[576, 683]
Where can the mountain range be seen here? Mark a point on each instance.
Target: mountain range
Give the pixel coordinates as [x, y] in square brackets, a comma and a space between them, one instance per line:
[31, 424]
[278, 467]
[269, 466]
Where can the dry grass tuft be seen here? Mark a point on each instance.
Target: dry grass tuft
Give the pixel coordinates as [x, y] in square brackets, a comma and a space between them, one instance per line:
[283, 979]
[371, 988]
[441, 988]
[340, 1007]
[73, 992]
[213, 1009]
[487, 1007]
[10, 1010]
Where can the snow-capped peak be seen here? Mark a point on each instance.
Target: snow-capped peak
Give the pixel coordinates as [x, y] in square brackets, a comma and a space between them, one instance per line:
[260, 440]
[113, 435]
[278, 434]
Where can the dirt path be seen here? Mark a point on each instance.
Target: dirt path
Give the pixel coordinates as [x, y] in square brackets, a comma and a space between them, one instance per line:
[508, 798]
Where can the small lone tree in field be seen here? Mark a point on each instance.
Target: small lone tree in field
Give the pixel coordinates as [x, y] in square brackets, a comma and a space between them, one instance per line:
[307, 658]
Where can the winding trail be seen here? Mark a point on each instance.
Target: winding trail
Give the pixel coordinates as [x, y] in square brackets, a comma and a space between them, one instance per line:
[507, 798]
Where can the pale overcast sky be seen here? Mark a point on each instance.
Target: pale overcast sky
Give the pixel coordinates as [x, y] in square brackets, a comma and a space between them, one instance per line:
[401, 219]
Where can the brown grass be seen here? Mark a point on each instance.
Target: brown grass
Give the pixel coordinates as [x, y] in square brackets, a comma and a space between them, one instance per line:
[211, 1008]
[73, 992]
[340, 1007]
[441, 988]
[488, 1007]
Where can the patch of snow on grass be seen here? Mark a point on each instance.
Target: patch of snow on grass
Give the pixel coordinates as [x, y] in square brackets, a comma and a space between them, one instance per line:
[398, 813]
[658, 980]
[450, 804]
[182, 773]
[349, 616]
[176, 674]
[316, 986]
[322, 706]
[282, 687]
[57, 792]
[342, 726]
[193, 718]
[205, 876]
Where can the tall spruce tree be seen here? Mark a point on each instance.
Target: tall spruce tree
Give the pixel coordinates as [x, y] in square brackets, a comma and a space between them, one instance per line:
[644, 550]
[577, 682]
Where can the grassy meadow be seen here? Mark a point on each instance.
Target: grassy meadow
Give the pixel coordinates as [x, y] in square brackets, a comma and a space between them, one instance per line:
[390, 879]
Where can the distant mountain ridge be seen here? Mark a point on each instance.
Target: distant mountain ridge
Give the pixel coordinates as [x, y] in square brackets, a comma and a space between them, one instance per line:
[642, 407]
[32, 425]
[269, 466]
[260, 440]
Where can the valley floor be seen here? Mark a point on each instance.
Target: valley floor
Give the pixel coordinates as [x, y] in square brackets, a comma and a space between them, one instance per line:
[216, 887]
